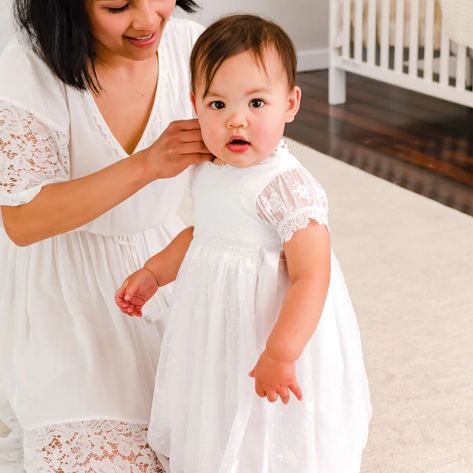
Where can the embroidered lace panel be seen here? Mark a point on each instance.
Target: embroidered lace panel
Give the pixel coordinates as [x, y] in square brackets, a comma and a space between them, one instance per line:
[32, 154]
[290, 201]
[97, 446]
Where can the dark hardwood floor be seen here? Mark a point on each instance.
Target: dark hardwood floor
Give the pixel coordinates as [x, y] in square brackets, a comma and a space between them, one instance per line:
[416, 141]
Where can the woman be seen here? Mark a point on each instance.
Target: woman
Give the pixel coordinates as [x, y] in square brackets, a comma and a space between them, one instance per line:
[91, 176]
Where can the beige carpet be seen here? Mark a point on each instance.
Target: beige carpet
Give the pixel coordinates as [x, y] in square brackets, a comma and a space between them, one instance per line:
[408, 262]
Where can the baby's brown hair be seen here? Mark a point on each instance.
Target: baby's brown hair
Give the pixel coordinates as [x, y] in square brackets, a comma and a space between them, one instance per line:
[234, 35]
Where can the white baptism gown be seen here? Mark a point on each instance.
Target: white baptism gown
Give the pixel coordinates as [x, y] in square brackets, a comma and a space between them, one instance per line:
[206, 416]
[77, 374]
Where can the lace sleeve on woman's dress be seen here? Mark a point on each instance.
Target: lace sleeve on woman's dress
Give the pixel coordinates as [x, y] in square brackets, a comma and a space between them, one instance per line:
[32, 154]
[290, 201]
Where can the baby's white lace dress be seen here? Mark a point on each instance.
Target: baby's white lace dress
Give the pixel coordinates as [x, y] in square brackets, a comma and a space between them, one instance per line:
[206, 415]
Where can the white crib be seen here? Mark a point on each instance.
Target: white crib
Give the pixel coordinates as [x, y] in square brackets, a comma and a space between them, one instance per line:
[401, 42]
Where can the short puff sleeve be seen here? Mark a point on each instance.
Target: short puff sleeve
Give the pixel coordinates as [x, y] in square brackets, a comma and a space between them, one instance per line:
[290, 201]
[32, 154]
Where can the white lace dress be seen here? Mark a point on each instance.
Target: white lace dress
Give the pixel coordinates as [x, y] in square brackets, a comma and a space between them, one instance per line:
[76, 374]
[206, 416]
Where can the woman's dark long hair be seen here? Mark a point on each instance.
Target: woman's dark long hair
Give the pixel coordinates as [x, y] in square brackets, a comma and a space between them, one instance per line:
[60, 33]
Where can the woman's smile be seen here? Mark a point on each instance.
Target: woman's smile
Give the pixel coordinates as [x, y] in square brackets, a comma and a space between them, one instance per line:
[142, 41]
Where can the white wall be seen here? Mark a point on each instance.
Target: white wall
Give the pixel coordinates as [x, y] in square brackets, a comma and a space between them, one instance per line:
[6, 22]
[306, 22]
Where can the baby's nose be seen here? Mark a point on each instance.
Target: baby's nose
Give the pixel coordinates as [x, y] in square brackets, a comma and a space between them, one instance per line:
[237, 120]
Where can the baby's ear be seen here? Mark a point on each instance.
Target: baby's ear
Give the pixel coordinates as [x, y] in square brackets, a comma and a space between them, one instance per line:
[293, 103]
[193, 102]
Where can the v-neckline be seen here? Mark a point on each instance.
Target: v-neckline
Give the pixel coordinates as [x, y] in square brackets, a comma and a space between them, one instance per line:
[103, 125]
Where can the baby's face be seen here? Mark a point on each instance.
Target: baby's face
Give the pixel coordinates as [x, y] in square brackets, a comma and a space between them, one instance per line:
[243, 115]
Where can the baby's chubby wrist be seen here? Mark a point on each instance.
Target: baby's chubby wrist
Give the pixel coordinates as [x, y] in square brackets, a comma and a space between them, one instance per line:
[279, 354]
[152, 272]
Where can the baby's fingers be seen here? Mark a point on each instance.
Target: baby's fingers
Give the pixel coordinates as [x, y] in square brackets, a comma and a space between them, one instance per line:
[284, 394]
[271, 395]
[294, 387]
[259, 390]
[133, 311]
[120, 297]
[130, 287]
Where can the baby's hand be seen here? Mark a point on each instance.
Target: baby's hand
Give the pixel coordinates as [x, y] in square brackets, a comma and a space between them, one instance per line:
[275, 378]
[136, 290]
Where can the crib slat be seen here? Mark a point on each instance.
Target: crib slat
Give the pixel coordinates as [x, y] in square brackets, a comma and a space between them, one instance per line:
[399, 37]
[413, 37]
[346, 29]
[358, 30]
[385, 33]
[444, 55]
[371, 31]
[461, 67]
[429, 39]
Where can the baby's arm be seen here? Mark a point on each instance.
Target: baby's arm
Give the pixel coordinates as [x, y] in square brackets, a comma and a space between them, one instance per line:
[308, 263]
[165, 264]
[159, 270]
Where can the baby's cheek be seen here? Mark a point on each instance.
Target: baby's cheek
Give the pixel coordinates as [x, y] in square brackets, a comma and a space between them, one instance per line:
[268, 136]
[211, 139]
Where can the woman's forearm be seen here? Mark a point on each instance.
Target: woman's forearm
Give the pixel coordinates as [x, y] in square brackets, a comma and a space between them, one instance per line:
[63, 206]
[165, 264]
[298, 319]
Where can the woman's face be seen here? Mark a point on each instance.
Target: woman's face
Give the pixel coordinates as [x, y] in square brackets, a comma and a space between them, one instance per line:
[130, 29]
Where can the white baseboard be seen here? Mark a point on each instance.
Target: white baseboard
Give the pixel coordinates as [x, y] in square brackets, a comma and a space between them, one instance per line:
[312, 60]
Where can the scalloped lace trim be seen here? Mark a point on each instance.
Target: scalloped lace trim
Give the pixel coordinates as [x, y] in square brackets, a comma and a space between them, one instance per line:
[290, 201]
[97, 446]
[105, 131]
[152, 128]
[31, 155]
[298, 221]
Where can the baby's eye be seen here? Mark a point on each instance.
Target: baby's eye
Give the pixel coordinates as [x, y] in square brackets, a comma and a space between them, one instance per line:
[217, 105]
[256, 103]
[119, 10]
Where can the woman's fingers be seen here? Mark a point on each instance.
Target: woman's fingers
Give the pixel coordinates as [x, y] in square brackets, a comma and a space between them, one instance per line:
[196, 147]
[185, 125]
[190, 136]
[185, 137]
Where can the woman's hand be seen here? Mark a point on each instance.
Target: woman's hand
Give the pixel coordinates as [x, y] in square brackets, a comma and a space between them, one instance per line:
[136, 290]
[275, 378]
[179, 146]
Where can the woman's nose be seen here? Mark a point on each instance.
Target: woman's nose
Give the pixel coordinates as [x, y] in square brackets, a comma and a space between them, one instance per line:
[145, 16]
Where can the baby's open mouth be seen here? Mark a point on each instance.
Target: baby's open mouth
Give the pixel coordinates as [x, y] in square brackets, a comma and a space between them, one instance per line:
[238, 145]
[239, 142]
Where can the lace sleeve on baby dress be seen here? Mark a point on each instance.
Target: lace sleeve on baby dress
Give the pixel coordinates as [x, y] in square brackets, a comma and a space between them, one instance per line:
[32, 154]
[290, 201]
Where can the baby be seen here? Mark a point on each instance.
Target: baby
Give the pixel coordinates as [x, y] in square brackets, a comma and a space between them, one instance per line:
[261, 311]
